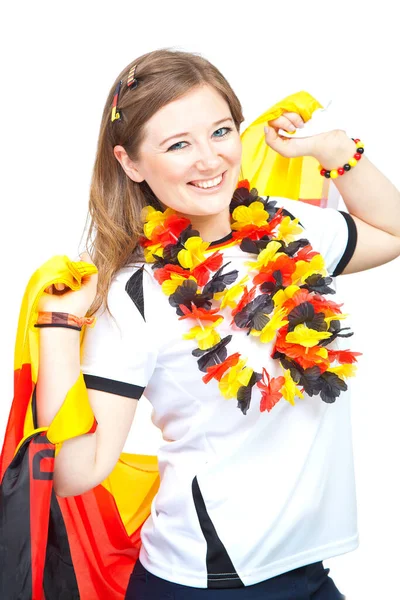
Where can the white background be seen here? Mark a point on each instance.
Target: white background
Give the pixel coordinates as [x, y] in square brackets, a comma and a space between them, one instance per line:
[58, 63]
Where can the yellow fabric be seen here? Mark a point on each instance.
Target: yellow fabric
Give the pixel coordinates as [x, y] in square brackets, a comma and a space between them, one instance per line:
[134, 483]
[273, 174]
[59, 269]
[135, 479]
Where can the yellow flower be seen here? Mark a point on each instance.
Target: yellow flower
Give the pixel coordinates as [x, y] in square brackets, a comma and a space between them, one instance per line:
[282, 295]
[153, 249]
[152, 218]
[205, 336]
[218, 295]
[234, 379]
[322, 352]
[288, 229]
[269, 331]
[169, 286]
[304, 269]
[230, 295]
[335, 318]
[306, 337]
[194, 253]
[289, 390]
[346, 370]
[255, 214]
[270, 253]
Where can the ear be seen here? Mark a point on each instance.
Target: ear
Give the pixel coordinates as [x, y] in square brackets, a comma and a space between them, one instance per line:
[127, 164]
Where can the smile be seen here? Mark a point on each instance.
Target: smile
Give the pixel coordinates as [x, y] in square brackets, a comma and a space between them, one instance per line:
[210, 184]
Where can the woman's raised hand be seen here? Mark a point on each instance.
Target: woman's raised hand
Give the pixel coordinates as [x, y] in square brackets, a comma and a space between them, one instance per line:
[294, 147]
[60, 298]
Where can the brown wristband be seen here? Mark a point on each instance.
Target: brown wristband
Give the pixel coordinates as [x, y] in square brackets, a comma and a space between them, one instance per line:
[62, 319]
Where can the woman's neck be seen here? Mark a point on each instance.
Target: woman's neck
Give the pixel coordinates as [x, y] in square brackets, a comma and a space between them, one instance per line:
[212, 227]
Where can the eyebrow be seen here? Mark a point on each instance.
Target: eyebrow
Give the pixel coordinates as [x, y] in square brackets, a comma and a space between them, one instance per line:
[187, 133]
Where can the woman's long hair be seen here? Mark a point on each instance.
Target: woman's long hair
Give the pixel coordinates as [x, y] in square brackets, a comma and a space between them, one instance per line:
[116, 201]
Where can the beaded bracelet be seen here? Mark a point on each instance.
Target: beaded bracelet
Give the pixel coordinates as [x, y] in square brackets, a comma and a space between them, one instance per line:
[62, 319]
[352, 162]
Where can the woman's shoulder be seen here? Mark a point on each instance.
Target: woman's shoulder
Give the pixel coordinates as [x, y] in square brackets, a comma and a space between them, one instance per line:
[311, 217]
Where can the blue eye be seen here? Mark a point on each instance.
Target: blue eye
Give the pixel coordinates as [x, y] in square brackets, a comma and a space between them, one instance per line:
[178, 147]
[228, 130]
[174, 146]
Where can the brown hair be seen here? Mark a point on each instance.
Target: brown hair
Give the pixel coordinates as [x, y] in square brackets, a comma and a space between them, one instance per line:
[115, 200]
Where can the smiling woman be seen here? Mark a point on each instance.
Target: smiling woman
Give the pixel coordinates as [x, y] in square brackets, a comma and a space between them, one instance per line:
[206, 292]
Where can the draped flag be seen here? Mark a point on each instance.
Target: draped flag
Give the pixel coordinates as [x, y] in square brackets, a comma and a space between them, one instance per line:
[85, 547]
[274, 175]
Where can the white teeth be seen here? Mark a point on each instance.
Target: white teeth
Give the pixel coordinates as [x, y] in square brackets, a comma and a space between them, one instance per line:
[210, 183]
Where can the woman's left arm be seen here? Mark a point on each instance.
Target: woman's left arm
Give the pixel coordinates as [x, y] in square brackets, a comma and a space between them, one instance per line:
[371, 199]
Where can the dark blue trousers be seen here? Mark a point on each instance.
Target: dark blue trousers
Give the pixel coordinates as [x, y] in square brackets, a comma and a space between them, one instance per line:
[310, 582]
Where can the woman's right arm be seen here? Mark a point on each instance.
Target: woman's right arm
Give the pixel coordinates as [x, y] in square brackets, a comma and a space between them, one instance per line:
[85, 461]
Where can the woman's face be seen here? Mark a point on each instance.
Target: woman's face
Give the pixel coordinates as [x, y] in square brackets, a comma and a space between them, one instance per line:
[191, 142]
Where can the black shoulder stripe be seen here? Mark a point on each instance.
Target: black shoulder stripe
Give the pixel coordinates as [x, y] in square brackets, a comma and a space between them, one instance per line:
[351, 244]
[134, 289]
[121, 388]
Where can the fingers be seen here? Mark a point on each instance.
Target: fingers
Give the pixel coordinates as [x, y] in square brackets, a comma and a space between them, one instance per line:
[289, 147]
[277, 143]
[295, 119]
[55, 288]
[288, 122]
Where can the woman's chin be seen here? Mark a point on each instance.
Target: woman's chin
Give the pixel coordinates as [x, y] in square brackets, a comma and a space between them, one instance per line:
[209, 210]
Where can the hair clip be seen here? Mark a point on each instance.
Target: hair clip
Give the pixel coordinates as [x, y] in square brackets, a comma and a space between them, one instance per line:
[131, 81]
[115, 115]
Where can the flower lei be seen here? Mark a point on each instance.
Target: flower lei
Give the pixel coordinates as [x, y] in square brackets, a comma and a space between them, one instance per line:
[285, 301]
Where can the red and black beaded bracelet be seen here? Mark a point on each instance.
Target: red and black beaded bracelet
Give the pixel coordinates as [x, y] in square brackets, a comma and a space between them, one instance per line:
[349, 165]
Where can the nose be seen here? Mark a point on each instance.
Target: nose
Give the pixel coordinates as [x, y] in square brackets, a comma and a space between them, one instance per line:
[208, 159]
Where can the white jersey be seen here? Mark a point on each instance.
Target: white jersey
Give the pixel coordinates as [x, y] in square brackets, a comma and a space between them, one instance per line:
[242, 498]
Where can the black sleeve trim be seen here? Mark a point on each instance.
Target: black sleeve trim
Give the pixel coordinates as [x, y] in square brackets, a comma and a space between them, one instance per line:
[120, 388]
[351, 244]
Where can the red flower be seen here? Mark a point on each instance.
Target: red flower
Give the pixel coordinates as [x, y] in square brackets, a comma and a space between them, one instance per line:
[343, 356]
[326, 306]
[244, 183]
[198, 313]
[252, 231]
[164, 273]
[203, 270]
[169, 231]
[217, 371]
[305, 357]
[144, 241]
[306, 253]
[299, 297]
[284, 264]
[172, 228]
[278, 218]
[247, 297]
[270, 393]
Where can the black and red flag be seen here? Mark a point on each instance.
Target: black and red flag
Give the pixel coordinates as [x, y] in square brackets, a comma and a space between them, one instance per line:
[80, 547]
